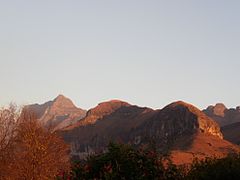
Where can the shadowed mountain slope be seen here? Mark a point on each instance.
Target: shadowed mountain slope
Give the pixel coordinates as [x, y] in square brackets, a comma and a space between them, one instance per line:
[231, 132]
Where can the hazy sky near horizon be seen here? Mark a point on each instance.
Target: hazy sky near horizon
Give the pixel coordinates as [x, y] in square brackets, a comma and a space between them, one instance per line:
[146, 52]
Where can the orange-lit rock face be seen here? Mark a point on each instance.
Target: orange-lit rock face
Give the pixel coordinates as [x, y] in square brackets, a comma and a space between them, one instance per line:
[188, 114]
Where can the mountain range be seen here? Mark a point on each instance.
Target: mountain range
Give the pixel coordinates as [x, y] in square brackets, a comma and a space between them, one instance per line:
[179, 129]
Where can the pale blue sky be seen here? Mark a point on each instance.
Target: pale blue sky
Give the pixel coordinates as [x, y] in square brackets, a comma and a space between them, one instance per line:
[146, 52]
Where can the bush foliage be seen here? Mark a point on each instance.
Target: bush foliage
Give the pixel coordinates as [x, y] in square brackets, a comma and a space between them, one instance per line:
[27, 149]
[122, 162]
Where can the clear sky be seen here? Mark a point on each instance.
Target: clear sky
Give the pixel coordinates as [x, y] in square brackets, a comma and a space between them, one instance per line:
[146, 52]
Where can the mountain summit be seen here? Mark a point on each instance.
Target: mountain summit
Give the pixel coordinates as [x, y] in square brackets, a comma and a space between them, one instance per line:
[99, 112]
[63, 102]
[58, 113]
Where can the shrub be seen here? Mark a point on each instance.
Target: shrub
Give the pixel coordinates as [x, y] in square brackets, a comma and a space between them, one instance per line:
[124, 162]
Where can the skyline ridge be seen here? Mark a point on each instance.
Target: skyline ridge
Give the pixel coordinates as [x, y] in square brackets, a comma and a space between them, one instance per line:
[62, 96]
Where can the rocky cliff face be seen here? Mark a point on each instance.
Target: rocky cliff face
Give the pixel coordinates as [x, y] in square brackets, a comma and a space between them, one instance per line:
[139, 126]
[176, 120]
[222, 115]
[59, 113]
[180, 118]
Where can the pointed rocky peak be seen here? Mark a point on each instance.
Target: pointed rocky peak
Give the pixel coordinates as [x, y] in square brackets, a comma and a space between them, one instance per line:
[186, 113]
[107, 107]
[57, 113]
[63, 102]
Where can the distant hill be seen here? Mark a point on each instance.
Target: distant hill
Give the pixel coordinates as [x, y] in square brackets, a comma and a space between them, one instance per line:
[59, 113]
[222, 115]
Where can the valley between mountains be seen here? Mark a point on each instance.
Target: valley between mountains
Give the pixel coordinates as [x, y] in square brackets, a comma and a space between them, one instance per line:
[179, 129]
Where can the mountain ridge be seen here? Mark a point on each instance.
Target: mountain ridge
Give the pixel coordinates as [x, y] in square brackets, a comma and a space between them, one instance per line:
[177, 124]
[139, 126]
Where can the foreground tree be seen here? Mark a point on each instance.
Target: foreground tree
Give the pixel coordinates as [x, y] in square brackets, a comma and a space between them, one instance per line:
[41, 154]
[8, 130]
[213, 168]
[34, 152]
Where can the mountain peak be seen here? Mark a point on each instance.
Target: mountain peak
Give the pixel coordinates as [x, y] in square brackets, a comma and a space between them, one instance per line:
[220, 105]
[113, 102]
[57, 113]
[181, 103]
[62, 101]
[60, 97]
[219, 109]
[107, 107]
